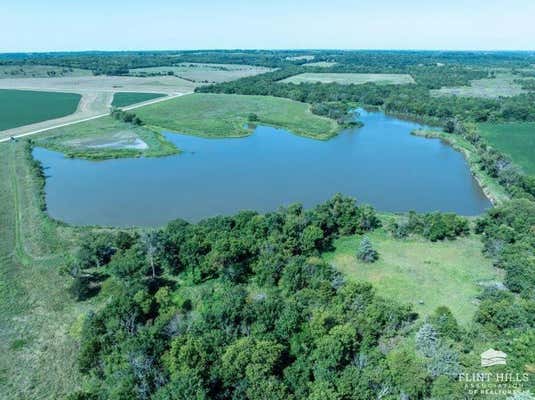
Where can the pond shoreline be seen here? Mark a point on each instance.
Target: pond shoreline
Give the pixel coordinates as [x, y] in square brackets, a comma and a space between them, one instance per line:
[489, 186]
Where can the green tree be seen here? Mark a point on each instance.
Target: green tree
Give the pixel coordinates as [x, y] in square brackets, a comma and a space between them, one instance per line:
[366, 252]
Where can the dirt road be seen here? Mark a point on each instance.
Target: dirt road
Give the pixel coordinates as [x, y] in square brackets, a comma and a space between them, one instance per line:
[92, 106]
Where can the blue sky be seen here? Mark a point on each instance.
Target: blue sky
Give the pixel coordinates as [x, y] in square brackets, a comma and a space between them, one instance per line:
[57, 25]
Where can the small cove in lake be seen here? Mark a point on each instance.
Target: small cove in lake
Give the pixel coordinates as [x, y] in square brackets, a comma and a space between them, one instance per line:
[381, 164]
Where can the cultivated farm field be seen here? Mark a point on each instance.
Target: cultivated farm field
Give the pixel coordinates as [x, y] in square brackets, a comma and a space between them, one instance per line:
[423, 273]
[159, 84]
[22, 107]
[515, 139]
[349, 78]
[223, 115]
[203, 73]
[123, 99]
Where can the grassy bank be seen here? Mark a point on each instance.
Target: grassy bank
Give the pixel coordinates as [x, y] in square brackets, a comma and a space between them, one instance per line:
[222, 115]
[106, 138]
[36, 312]
[492, 189]
[515, 139]
[414, 270]
[24, 107]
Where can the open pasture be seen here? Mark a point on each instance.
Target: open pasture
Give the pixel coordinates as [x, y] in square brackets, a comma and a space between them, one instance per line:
[349, 78]
[20, 107]
[516, 139]
[203, 73]
[503, 85]
[222, 115]
[414, 270]
[40, 71]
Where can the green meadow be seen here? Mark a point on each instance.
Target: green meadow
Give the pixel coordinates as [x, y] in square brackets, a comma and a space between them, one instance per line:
[516, 139]
[224, 115]
[123, 99]
[24, 107]
[417, 271]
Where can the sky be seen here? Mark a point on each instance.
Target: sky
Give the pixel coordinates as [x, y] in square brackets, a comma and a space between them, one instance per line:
[74, 25]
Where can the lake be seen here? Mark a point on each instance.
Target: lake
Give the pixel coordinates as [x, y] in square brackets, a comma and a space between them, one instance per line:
[381, 164]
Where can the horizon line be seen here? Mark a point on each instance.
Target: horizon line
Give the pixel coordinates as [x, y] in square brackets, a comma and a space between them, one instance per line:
[273, 49]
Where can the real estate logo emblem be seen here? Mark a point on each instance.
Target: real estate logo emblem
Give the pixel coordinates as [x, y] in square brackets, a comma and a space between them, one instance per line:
[493, 357]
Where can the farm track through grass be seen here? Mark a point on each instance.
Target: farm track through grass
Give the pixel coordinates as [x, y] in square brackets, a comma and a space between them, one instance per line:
[36, 312]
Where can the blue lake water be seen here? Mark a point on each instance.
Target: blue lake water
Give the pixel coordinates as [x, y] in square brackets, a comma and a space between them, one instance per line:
[381, 164]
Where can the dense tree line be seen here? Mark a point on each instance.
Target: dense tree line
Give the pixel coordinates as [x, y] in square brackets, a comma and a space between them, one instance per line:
[242, 307]
[510, 240]
[432, 226]
[411, 100]
[119, 62]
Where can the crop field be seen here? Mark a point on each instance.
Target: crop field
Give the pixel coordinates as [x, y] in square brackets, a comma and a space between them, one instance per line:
[516, 139]
[223, 115]
[349, 78]
[40, 71]
[97, 95]
[503, 85]
[20, 107]
[104, 138]
[420, 272]
[203, 73]
[122, 99]
[158, 84]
